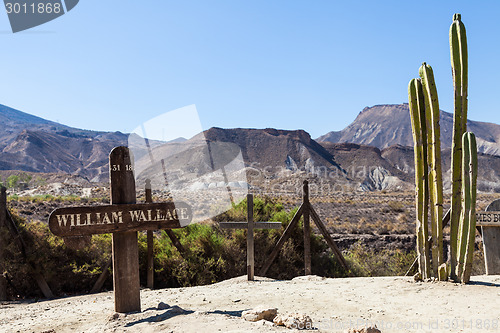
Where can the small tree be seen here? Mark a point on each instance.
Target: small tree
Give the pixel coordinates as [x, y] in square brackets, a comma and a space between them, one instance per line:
[12, 181]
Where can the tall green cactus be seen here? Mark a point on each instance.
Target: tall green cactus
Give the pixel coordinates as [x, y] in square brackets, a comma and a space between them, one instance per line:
[467, 225]
[419, 130]
[434, 157]
[459, 67]
[424, 112]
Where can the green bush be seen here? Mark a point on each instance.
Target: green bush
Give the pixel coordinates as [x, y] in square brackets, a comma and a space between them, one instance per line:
[209, 257]
[12, 181]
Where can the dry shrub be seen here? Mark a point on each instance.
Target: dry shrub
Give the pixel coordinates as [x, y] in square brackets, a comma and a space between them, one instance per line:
[366, 261]
[396, 206]
[66, 270]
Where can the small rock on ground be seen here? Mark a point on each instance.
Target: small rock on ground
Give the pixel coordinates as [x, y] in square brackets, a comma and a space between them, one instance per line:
[294, 320]
[370, 329]
[260, 313]
[162, 306]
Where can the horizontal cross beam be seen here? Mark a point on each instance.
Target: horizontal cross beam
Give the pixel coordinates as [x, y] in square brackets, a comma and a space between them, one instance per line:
[244, 225]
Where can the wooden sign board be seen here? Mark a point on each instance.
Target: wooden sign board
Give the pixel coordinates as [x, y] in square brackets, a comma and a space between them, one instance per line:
[82, 221]
[488, 219]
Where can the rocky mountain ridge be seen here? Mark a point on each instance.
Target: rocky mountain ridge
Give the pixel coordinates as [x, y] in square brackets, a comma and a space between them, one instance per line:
[387, 125]
[31, 143]
[271, 159]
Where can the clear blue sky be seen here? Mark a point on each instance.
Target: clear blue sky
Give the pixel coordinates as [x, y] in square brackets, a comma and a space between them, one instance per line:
[312, 65]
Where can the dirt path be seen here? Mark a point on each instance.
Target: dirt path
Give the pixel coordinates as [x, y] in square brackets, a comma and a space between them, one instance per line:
[396, 304]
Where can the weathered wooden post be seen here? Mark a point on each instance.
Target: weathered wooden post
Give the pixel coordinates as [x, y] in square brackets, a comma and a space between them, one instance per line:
[149, 233]
[250, 240]
[489, 221]
[307, 229]
[250, 225]
[125, 251]
[3, 240]
[123, 218]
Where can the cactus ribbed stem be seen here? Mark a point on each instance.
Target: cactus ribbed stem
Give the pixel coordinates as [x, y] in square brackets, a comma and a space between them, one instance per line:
[425, 114]
[434, 156]
[419, 130]
[468, 224]
[459, 66]
[464, 216]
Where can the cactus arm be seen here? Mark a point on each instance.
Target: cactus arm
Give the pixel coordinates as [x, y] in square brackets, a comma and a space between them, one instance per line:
[458, 52]
[465, 71]
[460, 68]
[472, 187]
[418, 123]
[435, 177]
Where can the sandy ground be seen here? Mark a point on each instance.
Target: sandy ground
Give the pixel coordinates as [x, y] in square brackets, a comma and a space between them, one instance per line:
[395, 304]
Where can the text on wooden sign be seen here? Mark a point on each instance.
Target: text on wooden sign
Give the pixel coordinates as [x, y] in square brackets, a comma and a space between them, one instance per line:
[488, 219]
[81, 221]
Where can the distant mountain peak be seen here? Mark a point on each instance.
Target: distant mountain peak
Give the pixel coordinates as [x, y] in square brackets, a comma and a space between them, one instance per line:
[386, 125]
[13, 115]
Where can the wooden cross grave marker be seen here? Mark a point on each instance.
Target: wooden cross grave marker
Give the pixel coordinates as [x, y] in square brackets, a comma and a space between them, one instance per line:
[250, 225]
[123, 218]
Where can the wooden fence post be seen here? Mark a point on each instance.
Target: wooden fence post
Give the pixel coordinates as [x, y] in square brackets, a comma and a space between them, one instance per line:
[3, 239]
[149, 233]
[250, 243]
[307, 229]
[125, 254]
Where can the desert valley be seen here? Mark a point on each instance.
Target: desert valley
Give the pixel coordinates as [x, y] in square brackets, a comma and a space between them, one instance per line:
[361, 183]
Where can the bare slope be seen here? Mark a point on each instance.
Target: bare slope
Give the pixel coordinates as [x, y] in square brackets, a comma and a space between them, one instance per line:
[30, 143]
[488, 165]
[365, 164]
[266, 151]
[275, 148]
